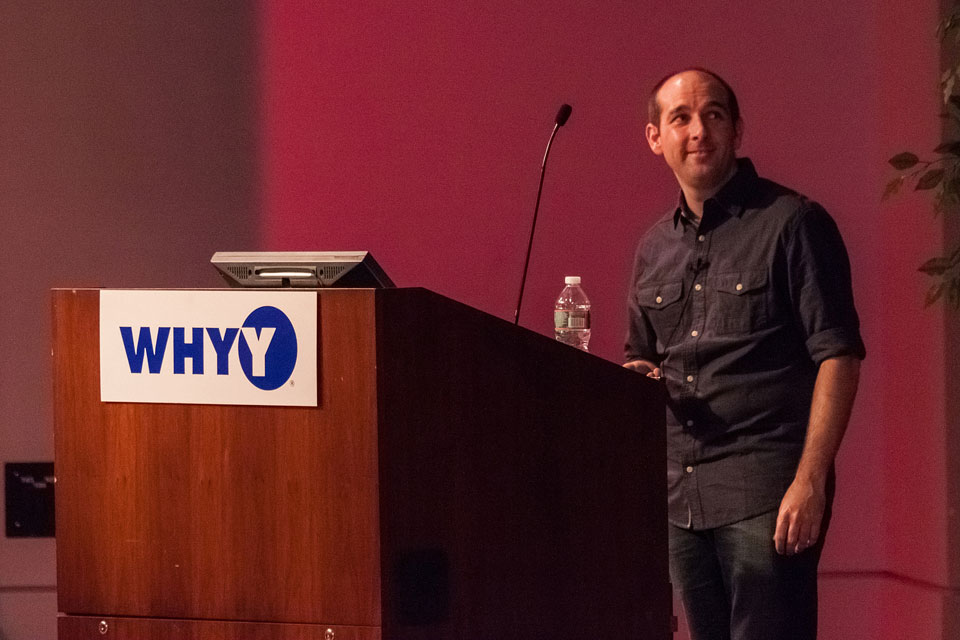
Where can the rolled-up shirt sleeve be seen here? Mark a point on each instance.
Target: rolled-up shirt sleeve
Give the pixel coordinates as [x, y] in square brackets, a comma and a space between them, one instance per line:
[820, 286]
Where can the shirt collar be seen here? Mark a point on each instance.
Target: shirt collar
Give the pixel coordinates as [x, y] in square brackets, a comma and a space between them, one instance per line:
[731, 199]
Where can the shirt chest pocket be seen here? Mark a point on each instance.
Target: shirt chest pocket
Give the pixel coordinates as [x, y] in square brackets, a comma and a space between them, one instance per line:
[662, 305]
[741, 302]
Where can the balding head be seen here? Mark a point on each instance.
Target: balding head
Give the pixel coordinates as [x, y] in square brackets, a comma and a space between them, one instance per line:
[655, 109]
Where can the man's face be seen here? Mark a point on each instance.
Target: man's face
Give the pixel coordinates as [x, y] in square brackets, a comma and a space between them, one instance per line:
[696, 135]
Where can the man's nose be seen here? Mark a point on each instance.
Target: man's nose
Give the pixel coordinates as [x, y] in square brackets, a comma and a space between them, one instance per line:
[696, 127]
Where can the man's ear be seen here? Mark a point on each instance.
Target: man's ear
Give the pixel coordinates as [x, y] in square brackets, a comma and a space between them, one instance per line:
[652, 133]
[738, 134]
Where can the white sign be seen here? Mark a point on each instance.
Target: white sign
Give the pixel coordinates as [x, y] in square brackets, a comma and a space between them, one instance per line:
[209, 347]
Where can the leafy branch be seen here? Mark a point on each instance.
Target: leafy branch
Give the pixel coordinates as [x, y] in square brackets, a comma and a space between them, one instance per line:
[940, 175]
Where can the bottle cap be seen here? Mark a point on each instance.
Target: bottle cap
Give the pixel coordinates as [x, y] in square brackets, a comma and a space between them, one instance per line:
[571, 280]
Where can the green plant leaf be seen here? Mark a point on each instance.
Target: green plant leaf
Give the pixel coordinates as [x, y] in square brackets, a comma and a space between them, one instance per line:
[955, 256]
[947, 84]
[946, 24]
[893, 187]
[934, 293]
[930, 179]
[935, 266]
[904, 160]
[952, 148]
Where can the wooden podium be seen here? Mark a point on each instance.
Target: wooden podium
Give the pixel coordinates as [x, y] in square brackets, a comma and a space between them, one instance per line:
[462, 478]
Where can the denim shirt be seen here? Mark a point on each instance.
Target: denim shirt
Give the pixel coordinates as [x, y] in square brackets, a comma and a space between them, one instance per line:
[739, 311]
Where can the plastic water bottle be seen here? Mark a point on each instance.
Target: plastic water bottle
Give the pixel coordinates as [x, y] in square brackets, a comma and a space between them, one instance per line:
[571, 315]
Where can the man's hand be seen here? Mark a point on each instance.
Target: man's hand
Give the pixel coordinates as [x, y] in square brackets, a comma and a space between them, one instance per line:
[801, 510]
[800, 516]
[644, 366]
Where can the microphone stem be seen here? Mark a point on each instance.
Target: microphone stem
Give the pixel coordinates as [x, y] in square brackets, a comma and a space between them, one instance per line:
[543, 165]
[536, 210]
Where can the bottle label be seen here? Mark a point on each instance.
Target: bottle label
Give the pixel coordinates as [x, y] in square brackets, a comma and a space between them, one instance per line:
[577, 319]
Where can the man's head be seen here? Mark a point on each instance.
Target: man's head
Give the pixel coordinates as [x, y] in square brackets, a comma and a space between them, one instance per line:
[653, 104]
[695, 125]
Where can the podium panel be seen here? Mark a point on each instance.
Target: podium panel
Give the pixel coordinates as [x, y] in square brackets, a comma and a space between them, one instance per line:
[461, 477]
[97, 628]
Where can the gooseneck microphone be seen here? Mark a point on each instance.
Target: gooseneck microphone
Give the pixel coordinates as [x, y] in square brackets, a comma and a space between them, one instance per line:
[561, 120]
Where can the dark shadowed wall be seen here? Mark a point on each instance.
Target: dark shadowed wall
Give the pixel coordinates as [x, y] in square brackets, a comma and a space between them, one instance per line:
[416, 131]
[128, 155]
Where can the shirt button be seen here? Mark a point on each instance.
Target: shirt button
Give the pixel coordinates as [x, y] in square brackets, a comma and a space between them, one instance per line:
[701, 238]
[739, 287]
[659, 299]
[689, 378]
[694, 333]
[689, 423]
[698, 286]
[689, 469]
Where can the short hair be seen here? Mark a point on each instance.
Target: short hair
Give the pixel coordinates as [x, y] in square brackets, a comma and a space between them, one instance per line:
[653, 104]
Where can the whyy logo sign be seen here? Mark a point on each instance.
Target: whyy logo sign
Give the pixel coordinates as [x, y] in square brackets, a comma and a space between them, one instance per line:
[184, 346]
[267, 333]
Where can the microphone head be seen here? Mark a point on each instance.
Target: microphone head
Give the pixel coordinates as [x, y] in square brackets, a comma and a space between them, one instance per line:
[563, 114]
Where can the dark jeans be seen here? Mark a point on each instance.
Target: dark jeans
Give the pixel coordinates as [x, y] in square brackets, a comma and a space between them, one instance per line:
[735, 586]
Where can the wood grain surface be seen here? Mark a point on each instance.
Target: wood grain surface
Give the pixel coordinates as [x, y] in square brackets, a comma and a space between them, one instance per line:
[523, 483]
[462, 478]
[219, 512]
[90, 628]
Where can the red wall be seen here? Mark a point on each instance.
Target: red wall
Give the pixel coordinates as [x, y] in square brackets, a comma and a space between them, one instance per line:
[912, 402]
[136, 142]
[416, 132]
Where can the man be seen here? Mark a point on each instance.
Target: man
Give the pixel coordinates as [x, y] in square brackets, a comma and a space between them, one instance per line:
[741, 301]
